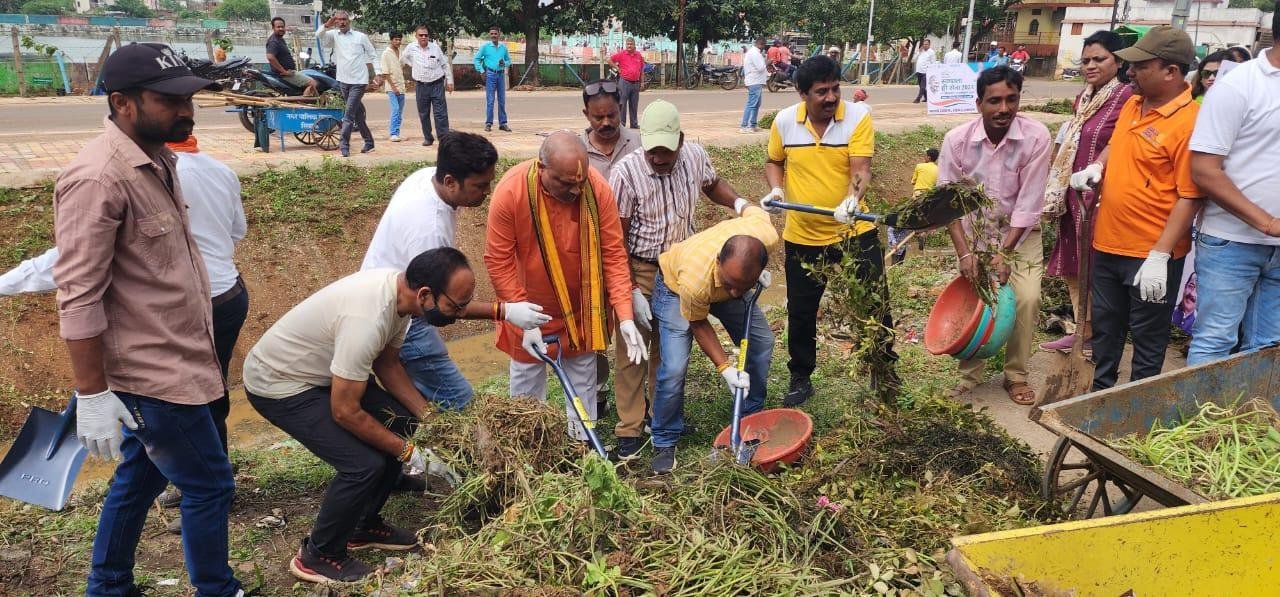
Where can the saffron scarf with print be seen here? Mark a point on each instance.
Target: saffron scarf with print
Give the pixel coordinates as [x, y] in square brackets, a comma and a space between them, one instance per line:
[594, 337]
[1090, 102]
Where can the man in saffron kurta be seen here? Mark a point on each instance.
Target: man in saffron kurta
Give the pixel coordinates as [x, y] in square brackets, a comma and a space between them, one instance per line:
[554, 236]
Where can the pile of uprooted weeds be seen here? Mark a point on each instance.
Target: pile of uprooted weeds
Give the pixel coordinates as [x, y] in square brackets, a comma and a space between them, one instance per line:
[868, 510]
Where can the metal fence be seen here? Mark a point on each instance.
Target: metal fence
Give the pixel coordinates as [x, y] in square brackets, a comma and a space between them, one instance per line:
[43, 75]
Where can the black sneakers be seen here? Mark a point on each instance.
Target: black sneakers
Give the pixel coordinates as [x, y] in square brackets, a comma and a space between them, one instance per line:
[504, 128]
[628, 448]
[800, 391]
[313, 567]
[664, 460]
[384, 536]
[171, 498]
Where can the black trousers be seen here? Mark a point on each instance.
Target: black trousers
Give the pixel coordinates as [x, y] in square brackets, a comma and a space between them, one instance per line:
[365, 475]
[430, 98]
[228, 318]
[804, 294]
[1118, 310]
[920, 80]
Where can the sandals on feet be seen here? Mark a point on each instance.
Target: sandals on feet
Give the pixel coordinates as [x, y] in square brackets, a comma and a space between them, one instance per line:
[959, 392]
[1020, 393]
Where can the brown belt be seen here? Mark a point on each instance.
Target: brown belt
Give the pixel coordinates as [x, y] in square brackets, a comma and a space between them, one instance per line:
[225, 297]
[643, 260]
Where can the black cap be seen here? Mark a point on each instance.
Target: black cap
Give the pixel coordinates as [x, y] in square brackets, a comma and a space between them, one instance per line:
[151, 66]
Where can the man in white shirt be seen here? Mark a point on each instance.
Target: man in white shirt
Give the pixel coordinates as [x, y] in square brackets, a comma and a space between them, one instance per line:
[924, 60]
[953, 56]
[1238, 246]
[422, 215]
[310, 376]
[357, 63]
[432, 76]
[755, 72]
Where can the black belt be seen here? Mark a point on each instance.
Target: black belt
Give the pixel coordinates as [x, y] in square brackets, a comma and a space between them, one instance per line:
[226, 297]
[433, 82]
[643, 260]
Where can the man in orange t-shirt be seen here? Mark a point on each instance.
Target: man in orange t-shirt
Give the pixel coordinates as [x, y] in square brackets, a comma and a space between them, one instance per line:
[1148, 200]
[554, 237]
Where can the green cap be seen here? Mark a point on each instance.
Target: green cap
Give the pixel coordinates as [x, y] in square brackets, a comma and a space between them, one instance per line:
[1166, 42]
[660, 126]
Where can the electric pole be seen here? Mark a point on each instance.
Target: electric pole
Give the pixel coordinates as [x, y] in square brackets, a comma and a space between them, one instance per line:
[968, 31]
[866, 54]
[1181, 12]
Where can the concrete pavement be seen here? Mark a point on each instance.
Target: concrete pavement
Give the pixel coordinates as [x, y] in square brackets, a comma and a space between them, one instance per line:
[38, 136]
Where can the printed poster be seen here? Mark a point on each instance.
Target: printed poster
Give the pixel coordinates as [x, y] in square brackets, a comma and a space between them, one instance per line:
[952, 89]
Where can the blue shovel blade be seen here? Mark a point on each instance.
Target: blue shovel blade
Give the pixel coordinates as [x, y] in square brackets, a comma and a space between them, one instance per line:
[29, 474]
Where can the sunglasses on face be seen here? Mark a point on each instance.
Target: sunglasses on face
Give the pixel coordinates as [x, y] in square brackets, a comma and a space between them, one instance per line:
[1207, 74]
[600, 87]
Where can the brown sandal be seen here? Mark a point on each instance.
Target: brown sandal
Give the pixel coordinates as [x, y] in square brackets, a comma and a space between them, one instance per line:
[959, 392]
[1020, 393]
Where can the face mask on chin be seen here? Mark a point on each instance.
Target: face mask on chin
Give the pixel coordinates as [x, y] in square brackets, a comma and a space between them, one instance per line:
[437, 318]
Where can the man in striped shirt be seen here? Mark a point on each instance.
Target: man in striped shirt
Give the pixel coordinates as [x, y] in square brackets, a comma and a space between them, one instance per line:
[657, 191]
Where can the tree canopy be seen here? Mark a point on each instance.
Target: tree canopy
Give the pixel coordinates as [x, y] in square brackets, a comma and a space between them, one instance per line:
[243, 10]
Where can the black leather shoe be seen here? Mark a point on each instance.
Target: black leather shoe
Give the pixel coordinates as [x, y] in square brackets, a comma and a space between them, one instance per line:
[800, 391]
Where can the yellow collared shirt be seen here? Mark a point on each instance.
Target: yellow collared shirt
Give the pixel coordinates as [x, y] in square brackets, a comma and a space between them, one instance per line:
[689, 268]
[817, 168]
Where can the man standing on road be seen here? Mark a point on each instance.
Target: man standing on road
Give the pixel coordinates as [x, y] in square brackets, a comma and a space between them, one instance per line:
[492, 59]
[309, 375]
[357, 64]
[821, 149]
[280, 58]
[1238, 249]
[657, 192]
[394, 81]
[133, 304]
[421, 216]
[924, 60]
[755, 73]
[1009, 154]
[953, 56]
[1142, 231]
[630, 65]
[554, 239]
[432, 77]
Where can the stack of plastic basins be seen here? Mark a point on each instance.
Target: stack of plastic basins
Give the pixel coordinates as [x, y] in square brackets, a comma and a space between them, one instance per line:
[962, 326]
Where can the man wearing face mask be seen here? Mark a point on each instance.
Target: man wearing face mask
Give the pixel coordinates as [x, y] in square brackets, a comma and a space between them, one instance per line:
[134, 309]
[422, 215]
[554, 239]
[309, 375]
[657, 191]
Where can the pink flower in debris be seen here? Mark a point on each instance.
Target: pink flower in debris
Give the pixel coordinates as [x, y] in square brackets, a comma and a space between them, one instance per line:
[825, 502]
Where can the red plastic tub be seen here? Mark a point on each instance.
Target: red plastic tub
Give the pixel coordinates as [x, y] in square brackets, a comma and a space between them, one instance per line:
[784, 434]
[954, 318]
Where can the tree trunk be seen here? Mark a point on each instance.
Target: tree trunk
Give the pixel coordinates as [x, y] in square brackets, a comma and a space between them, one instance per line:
[531, 20]
[702, 49]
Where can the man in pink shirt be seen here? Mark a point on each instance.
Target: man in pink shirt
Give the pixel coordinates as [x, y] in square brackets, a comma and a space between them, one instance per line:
[1009, 154]
[630, 65]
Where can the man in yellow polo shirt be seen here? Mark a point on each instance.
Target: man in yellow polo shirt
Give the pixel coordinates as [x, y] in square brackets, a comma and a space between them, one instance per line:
[708, 274]
[820, 154]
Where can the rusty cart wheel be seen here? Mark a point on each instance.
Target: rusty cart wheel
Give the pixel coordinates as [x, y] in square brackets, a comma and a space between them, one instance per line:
[325, 131]
[1072, 477]
[307, 137]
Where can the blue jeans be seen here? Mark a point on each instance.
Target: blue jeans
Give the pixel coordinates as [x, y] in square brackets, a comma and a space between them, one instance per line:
[427, 361]
[173, 443]
[1238, 290]
[751, 115]
[495, 87]
[397, 109]
[674, 343]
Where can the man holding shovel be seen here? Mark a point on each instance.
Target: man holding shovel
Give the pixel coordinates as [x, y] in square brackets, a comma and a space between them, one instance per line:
[134, 308]
[709, 274]
[1009, 154]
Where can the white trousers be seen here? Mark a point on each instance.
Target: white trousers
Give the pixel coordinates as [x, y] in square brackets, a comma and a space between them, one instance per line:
[530, 379]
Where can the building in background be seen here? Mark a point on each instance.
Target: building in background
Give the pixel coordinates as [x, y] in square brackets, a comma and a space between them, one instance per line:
[295, 15]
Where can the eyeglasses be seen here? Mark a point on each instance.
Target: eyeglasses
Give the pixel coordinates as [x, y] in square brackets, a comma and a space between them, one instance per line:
[600, 87]
[457, 306]
[1208, 74]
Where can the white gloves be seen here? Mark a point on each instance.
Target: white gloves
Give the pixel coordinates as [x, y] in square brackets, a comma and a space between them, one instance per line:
[526, 315]
[643, 312]
[533, 343]
[740, 204]
[766, 278]
[846, 210]
[635, 344]
[433, 466]
[767, 201]
[98, 420]
[736, 379]
[1153, 277]
[1086, 179]
[417, 460]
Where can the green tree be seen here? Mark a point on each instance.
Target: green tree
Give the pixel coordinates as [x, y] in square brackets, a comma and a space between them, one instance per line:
[705, 21]
[1263, 5]
[243, 10]
[442, 17]
[48, 7]
[132, 8]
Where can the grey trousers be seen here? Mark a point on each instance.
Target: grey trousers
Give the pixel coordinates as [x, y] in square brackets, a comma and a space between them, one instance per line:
[430, 98]
[354, 116]
[629, 93]
[530, 379]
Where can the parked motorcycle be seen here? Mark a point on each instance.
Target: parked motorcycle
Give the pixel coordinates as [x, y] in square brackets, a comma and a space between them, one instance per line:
[726, 77]
[264, 83]
[647, 80]
[225, 72]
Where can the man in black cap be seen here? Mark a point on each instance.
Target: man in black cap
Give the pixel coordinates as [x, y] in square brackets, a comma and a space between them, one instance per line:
[134, 309]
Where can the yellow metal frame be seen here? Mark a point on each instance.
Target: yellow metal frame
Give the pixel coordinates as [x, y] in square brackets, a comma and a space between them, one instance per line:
[1218, 548]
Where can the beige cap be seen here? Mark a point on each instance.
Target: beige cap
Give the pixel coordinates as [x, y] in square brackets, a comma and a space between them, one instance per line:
[660, 126]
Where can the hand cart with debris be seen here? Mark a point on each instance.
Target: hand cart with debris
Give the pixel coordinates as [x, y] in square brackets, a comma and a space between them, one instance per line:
[1083, 464]
[310, 125]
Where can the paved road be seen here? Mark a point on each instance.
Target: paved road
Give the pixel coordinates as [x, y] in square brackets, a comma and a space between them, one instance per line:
[19, 119]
